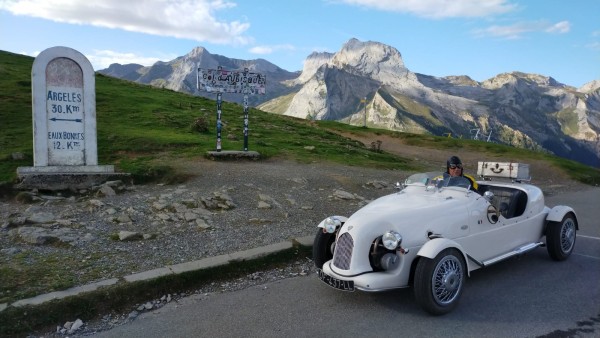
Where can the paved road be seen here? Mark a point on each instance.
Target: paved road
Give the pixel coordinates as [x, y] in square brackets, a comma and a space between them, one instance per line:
[531, 296]
[587, 206]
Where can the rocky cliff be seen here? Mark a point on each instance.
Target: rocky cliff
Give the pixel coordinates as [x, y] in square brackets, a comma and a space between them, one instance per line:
[524, 110]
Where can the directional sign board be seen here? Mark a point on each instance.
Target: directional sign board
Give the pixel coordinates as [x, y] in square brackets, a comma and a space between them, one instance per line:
[66, 131]
[227, 81]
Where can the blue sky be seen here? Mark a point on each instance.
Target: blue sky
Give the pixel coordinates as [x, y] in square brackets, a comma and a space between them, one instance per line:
[478, 38]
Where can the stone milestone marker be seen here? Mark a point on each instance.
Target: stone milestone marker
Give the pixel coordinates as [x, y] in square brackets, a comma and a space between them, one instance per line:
[64, 123]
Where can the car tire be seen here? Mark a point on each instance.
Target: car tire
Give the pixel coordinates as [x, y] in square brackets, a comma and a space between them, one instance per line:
[439, 282]
[322, 247]
[560, 237]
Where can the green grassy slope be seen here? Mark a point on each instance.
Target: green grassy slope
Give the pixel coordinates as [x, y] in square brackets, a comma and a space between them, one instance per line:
[141, 129]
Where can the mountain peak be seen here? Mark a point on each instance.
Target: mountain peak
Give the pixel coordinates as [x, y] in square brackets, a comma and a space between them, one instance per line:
[363, 55]
[461, 80]
[312, 63]
[197, 52]
[514, 78]
[375, 60]
[590, 87]
[319, 56]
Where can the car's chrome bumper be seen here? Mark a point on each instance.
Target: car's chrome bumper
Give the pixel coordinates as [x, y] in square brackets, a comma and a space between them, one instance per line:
[369, 281]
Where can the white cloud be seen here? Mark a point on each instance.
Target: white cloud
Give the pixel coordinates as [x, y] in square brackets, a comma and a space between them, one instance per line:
[438, 9]
[518, 30]
[33, 54]
[186, 19]
[561, 27]
[101, 59]
[270, 49]
[593, 45]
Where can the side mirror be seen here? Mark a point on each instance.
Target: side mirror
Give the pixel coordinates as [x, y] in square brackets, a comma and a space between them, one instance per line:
[488, 195]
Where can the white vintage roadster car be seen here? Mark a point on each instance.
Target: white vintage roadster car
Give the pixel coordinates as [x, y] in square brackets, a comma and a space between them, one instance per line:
[433, 232]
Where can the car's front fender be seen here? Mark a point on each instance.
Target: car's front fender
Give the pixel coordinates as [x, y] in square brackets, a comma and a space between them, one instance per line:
[433, 247]
[557, 213]
[342, 220]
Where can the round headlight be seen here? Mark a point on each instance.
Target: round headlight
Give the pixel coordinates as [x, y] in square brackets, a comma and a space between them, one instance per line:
[391, 240]
[331, 224]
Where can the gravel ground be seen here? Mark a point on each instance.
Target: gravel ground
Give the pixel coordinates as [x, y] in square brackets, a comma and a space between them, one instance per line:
[298, 198]
[274, 201]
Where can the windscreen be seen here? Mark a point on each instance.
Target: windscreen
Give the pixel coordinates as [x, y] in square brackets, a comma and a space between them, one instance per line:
[437, 179]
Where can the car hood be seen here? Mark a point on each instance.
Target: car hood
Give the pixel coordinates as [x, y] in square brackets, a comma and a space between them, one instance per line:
[400, 202]
[412, 214]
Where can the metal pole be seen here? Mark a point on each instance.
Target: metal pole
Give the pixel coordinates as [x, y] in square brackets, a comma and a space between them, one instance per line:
[219, 95]
[245, 122]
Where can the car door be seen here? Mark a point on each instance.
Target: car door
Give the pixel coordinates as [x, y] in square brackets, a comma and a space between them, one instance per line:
[493, 234]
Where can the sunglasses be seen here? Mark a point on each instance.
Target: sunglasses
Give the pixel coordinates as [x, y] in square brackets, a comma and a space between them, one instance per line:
[454, 166]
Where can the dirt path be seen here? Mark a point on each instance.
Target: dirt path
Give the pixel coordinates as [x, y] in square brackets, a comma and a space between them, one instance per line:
[551, 179]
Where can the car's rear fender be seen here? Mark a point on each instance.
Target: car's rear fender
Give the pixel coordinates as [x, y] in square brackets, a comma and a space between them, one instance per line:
[557, 213]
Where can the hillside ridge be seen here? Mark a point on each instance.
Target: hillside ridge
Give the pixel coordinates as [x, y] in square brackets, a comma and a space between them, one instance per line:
[367, 82]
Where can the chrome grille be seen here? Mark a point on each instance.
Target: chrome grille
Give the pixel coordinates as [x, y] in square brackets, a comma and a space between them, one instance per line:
[343, 251]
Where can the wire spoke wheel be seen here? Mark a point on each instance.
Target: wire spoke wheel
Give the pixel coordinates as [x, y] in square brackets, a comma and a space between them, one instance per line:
[561, 237]
[438, 282]
[567, 235]
[447, 280]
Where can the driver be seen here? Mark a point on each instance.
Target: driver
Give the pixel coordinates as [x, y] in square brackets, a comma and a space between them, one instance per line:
[454, 168]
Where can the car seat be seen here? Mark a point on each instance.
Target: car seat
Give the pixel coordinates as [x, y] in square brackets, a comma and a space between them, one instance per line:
[518, 203]
[503, 209]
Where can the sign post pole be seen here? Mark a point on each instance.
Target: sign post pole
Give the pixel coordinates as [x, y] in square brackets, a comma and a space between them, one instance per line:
[245, 122]
[219, 99]
[236, 82]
